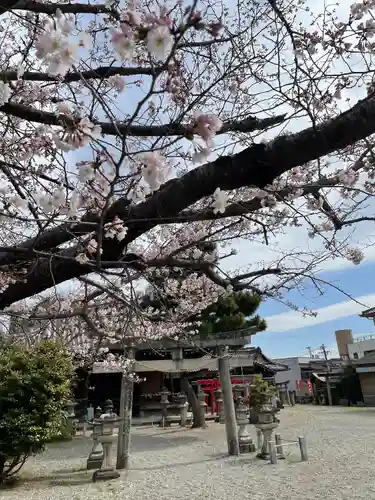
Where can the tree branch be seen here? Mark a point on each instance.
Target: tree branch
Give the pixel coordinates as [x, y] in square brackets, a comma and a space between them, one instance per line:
[171, 129]
[50, 8]
[258, 166]
[76, 76]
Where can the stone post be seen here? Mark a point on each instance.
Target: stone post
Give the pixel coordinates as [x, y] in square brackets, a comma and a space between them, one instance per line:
[259, 439]
[283, 396]
[220, 404]
[183, 409]
[303, 448]
[279, 446]
[287, 394]
[244, 439]
[292, 397]
[164, 393]
[230, 415]
[126, 411]
[202, 405]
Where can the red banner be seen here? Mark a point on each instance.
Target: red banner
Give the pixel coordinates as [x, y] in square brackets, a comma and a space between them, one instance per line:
[309, 386]
[299, 385]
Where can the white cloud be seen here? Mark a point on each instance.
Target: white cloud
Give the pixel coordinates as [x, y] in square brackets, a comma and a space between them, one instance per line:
[293, 320]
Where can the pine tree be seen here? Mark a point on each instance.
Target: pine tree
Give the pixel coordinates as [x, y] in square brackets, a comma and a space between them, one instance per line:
[231, 313]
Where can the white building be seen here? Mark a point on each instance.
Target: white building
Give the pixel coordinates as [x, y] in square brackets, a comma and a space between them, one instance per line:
[361, 346]
[298, 371]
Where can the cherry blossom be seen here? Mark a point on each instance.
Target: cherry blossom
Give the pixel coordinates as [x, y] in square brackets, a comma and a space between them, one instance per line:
[124, 44]
[159, 42]
[4, 93]
[220, 201]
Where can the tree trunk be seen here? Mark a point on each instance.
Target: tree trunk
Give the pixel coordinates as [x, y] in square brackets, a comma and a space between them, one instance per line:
[2, 466]
[186, 387]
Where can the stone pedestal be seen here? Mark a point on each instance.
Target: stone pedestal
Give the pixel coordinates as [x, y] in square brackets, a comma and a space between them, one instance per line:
[244, 439]
[266, 424]
[107, 471]
[220, 404]
[267, 430]
[95, 460]
[183, 409]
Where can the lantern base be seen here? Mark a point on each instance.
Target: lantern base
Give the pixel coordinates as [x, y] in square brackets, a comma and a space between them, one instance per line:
[94, 463]
[247, 447]
[105, 475]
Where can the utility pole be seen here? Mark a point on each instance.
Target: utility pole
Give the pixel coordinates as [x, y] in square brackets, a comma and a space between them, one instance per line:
[229, 412]
[126, 409]
[325, 354]
[309, 351]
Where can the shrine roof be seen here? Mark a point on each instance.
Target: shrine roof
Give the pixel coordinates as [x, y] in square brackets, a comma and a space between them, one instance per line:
[368, 313]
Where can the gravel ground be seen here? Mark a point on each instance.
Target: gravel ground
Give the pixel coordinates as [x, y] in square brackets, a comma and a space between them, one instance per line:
[179, 464]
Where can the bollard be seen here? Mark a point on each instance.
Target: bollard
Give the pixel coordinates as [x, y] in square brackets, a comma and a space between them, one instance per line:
[279, 445]
[259, 439]
[273, 454]
[303, 448]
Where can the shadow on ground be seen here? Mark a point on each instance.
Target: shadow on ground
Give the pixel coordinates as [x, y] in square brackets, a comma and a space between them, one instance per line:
[212, 458]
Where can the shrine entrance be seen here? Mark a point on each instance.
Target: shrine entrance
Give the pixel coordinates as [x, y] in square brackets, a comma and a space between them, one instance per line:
[209, 386]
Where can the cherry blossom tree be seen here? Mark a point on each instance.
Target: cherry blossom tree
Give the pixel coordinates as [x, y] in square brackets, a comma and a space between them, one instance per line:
[133, 133]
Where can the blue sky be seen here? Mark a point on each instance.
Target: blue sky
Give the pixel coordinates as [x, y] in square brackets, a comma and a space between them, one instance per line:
[335, 311]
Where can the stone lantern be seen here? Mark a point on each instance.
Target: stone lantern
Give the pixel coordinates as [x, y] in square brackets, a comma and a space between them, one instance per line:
[266, 424]
[220, 406]
[164, 393]
[105, 435]
[244, 439]
[202, 405]
[183, 405]
[96, 456]
[71, 417]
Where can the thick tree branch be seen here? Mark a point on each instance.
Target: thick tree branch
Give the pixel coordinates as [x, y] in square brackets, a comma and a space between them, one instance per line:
[50, 8]
[171, 129]
[254, 166]
[76, 76]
